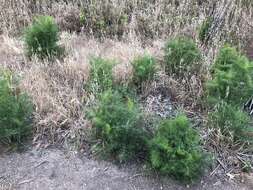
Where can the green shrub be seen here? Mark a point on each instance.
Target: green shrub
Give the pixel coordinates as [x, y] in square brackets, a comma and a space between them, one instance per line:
[181, 56]
[227, 57]
[144, 69]
[204, 29]
[101, 77]
[15, 111]
[175, 150]
[118, 124]
[41, 38]
[232, 121]
[232, 78]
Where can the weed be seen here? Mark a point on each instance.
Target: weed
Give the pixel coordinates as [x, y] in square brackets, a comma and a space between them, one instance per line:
[118, 124]
[101, 77]
[232, 78]
[15, 111]
[181, 56]
[41, 38]
[175, 150]
[144, 69]
[231, 121]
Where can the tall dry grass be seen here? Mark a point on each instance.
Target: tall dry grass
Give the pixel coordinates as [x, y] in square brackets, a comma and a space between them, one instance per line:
[145, 18]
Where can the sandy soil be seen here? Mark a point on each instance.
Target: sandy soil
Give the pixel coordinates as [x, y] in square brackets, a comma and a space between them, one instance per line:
[59, 170]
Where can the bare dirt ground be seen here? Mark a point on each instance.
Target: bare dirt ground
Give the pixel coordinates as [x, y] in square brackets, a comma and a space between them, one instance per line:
[57, 169]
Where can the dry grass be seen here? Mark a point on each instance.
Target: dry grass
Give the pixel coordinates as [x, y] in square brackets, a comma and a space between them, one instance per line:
[146, 19]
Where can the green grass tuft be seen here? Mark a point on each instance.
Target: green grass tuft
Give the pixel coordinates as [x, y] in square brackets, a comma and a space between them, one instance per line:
[144, 69]
[101, 78]
[182, 56]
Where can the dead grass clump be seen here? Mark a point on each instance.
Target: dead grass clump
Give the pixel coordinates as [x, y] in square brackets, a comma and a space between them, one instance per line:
[105, 18]
[58, 95]
[11, 53]
[122, 73]
[230, 158]
[186, 92]
[67, 16]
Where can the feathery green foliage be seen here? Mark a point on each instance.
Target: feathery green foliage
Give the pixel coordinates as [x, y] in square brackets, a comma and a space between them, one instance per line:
[15, 111]
[101, 78]
[181, 56]
[144, 69]
[232, 78]
[175, 150]
[41, 38]
[118, 124]
[232, 121]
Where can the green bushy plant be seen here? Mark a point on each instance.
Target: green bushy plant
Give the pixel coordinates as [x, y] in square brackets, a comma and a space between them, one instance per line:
[41, 38]
[15, 111]
[175, 150]
[227, 57]
[118, 124]
[144, 69]
[232, 121]
[231, 78]
[101, 77]
[181, 56]
[204, 29]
